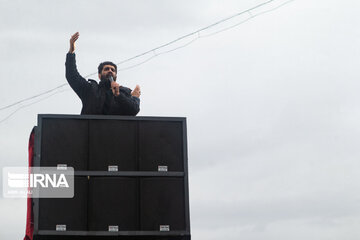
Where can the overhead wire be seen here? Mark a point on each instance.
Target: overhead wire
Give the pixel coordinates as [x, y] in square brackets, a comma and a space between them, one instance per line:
[27, 105]
[195, 32]
[249, 18]
[201, 36]
[154, 53]
[35, 96]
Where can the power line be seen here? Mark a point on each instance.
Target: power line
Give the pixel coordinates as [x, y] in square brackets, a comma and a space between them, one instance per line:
[157, 54]
[249, 18]
[196, 32]
[153, 51]
[37, 95]
[198, 36]
[24, 106]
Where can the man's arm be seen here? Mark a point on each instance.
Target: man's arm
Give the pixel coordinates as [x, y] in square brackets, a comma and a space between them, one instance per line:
[128, 103]
[76, 81]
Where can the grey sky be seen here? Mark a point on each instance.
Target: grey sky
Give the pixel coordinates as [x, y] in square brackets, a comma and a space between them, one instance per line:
[272, 105]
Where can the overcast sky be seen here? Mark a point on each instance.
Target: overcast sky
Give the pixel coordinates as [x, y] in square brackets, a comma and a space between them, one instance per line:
[272, 105]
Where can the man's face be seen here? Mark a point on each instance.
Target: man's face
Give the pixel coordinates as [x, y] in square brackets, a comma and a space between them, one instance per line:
[107, 71]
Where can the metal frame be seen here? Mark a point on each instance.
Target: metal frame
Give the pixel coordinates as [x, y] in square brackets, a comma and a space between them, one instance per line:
[184, 175]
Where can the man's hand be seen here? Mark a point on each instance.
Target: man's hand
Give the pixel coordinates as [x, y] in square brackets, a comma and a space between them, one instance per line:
[72, 42]
[136, 92]
[115, 87]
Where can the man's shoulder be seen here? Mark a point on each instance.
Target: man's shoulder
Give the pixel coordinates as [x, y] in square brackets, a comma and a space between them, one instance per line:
[93, 82]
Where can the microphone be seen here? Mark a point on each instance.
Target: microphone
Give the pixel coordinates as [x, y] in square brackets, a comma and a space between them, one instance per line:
[111, 79]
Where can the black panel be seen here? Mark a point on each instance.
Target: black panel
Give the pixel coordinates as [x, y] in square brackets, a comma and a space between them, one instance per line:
[64, 141]
[162, 203]
[136, 203]
[113, 201]
[71, 212]
[160, 143]
[37, 237]
[112, 142]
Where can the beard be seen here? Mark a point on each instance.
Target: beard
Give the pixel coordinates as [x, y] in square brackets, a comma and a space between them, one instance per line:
[105, 77]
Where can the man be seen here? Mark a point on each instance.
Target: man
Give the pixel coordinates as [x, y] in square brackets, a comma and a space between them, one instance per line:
[106, 97]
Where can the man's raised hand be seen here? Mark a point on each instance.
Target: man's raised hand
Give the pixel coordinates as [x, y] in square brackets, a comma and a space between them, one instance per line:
[72, 42]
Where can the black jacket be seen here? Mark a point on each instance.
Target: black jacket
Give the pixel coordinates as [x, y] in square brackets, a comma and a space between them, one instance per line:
[97, 98]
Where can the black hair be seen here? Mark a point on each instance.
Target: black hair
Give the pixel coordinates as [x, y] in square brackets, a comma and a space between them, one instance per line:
[101, 66]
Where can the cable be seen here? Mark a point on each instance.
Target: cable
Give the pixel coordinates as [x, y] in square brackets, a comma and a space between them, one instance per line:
[251, 16]
[157, 54]
[24, 106]
[154, 51]
[37, 95]
[202, 36]
[195, 32]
